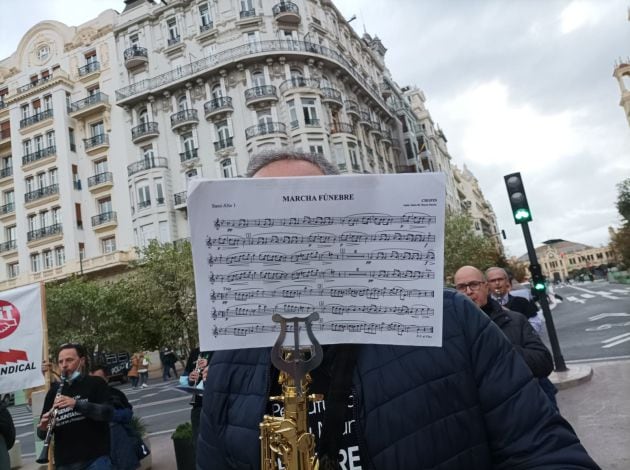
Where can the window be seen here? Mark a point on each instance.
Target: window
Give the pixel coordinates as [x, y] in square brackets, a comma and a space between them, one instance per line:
[104, 205]
[77, 213]
[258, 79]
[47, 102]
[7, 162]
[340, 158]
[204, 16]
[90, 57]
[163, 230]
[55, 215]
[247, 5]
[143, 116]
[8, 197]
[97, 129]
[44, 218]
[310, 112]
[217, 92]
[41, 180]
[173, 32]
[50, 138]
[226, 168]
[352, 151]
[316, 149]
[190, 174]
[53, 176]
[188, 144]
[100, 167]
[144, 196]
[32, 222]
[10, 233]
[265, 120]
[60, 256]
[35, 263]
[147, 153]
[293, 114]
[29, 183]
[38, 142]
[108, 245]
[222, 131]
[47, 255]
[159, 191]
[13, 270]
[73, 145]
[25, 109]
[147, 233]
[42, 53]
[182, 103]
[134, 40]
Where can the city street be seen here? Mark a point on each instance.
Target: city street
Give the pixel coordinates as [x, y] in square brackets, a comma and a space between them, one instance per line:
[593, 321]
[161, 406]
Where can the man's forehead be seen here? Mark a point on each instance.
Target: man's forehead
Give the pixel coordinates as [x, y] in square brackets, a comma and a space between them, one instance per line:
[497, 274]
[288, 167]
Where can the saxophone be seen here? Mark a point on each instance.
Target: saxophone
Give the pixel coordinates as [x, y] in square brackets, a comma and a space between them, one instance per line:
[286, 438]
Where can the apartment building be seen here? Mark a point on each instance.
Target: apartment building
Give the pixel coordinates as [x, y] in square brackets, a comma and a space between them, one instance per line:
[622, 74]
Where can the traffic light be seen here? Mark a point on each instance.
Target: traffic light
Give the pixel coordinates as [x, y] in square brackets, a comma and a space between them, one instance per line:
[538, 280]
[518, 200]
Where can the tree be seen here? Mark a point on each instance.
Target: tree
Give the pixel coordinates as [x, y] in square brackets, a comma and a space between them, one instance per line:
[620, 239]
[162, 285]
[623, 200]
[463, 247]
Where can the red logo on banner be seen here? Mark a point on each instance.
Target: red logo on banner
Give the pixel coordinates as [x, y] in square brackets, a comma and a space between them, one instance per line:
[12, 355]
[9, 318]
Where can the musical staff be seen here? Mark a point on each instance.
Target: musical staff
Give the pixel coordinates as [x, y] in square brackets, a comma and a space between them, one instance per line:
[307, 256]
[319, 238]
[411, 218]
[350, 326]
[373, 293]
[277, 275]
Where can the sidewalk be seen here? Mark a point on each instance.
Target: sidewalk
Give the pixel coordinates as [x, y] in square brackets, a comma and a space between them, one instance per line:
[598, 410]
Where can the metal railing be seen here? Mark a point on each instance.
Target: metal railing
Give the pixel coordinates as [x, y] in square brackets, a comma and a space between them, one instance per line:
[77, 185]
[265, 91]
[223, 144]
[101, 139]
[100, 178]
[144, 129]
[33, 84]
[311, 122]
[351, 106]
[180, 198]
[339, 127]
[147, 164]
[89, 68]
[8, 246]
[39, 155]
[223, 102]
[248, 13]
[144, 204]
[298, 82]
[135, 51]
[185, 115]
[95, 98]
[43, 232]
[174, 40]
[265, 128]
[332, 94]
[6, 172]
[42, 115]
[205, 27]
[103, 218]
[188, 155]
[285, 7]
[7, 208]
[41, 192]
[230, 55]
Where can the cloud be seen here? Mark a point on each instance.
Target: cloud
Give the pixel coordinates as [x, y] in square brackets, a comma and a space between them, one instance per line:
[577, 15]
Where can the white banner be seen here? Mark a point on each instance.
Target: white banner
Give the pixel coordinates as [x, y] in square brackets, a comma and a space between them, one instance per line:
[20, 338]
[363, 254]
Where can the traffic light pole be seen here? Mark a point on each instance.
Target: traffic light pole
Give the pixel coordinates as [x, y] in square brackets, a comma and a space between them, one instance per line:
[544, 303]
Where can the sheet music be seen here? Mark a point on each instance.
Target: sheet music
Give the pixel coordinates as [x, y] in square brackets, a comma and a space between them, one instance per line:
[365, 252]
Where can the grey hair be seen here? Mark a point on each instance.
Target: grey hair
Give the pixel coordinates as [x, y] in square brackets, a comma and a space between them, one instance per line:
[496, 268]
[263, 159]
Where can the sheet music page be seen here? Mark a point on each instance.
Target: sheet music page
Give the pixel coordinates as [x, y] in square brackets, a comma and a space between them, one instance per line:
[365, 252]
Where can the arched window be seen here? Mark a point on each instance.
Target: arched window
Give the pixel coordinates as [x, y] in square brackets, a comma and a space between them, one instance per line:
[143, 116]
[217, 92]
[258, 79]
[182, 103]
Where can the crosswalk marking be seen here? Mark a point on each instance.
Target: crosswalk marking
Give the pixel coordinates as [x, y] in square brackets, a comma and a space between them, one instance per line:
[587, 296]
[615, 340]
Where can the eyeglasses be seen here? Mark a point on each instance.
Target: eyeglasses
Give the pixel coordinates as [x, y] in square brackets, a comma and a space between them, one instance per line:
[472, 285]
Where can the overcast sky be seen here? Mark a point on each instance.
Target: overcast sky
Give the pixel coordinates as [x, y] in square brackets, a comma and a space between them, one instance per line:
[524, 85]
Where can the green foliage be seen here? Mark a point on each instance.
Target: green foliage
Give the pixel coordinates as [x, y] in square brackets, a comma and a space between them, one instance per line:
[182, 431]
[463, 247]
[623, 200]
[620, 241]
[138, 426]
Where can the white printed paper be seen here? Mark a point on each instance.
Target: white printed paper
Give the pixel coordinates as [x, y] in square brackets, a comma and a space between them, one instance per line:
[364, 252]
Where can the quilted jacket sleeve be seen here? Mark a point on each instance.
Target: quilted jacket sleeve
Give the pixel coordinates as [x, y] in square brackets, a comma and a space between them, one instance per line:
[534, 351]
[524, 431]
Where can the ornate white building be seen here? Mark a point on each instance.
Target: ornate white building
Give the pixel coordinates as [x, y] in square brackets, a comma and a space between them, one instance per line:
[622, 74]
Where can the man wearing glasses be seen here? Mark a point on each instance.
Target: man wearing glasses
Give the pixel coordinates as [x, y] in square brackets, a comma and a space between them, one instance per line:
[81, 430]
[472, 282]
[500, 286]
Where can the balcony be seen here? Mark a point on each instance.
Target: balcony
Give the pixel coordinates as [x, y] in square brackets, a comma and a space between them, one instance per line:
[47, 192]
[135, 57]
[35, 118]
[33, 84]
[204, 28]
[174, 40]
[100, 182]
[376, 129]
[95, 144]
[224, 144]
[7, 210]
[104, 221]
[147, 164]
[93, 104]
[247, 13]
[89, 69]
[260, 94]
[352, 107]
[386, 135]
[180, 200]
[39, 156]
[312, 122]
[265, 129]
[218, 108]
[342, 128]
[184, 119]
[6, 172]
[7, 247]
[145, 131]
[144, 204]
[365, 119]
[44, 232]
[332, 96]
[299, 84]
[188, 155]
[286, 12]
[5, 137]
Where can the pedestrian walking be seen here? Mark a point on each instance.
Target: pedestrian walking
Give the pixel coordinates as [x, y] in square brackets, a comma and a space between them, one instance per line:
[145, 362]
[134, 373]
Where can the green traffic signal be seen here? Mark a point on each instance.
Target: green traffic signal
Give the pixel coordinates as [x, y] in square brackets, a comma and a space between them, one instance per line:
[518, 200]
[522, 215]
[539, 286]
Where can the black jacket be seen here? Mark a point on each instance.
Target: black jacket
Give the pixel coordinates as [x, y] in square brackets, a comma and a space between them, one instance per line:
[7, 429]
[521, 305]
[522, 336]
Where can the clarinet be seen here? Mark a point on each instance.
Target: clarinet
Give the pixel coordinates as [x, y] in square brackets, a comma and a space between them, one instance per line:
[52, 422]
[198, 370]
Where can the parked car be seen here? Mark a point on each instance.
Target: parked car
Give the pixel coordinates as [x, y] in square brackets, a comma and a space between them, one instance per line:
[116, 365]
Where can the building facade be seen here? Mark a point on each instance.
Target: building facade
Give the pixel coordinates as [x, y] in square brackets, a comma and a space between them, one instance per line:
[622, 74]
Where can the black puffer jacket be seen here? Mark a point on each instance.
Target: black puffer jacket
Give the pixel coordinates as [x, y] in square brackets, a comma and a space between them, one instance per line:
[523, 337]
[471, 404]
[7, 429]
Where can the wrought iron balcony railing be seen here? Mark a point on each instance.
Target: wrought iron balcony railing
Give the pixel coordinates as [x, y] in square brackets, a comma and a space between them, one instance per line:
[41, 192]
[144, 204]
[298, 82]
[105, 177]
[217, 103]
[100, 139]
[103, 218]
[205, 27]
[144, 129]
[6, 172]
[39, 155]
[44, 232]
[180, 198]
[33, 84]
[96, 98]
[285, 7]
[185, 115]
[134, 52]
[344, 127]
[89, 68]
[248, 13]
[41, 116]
[147, 164]
[8, 246]
[174, 40]
[267, 91]
[188, 155]
[223, 144]
[7, 208]
[265, 128]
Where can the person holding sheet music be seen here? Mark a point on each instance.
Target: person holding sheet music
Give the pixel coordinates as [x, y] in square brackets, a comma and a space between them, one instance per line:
[470, 404]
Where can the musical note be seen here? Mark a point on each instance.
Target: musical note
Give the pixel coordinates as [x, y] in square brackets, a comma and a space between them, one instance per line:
[249, 275]
[374, 293]
[353, 326]
[255, 310]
